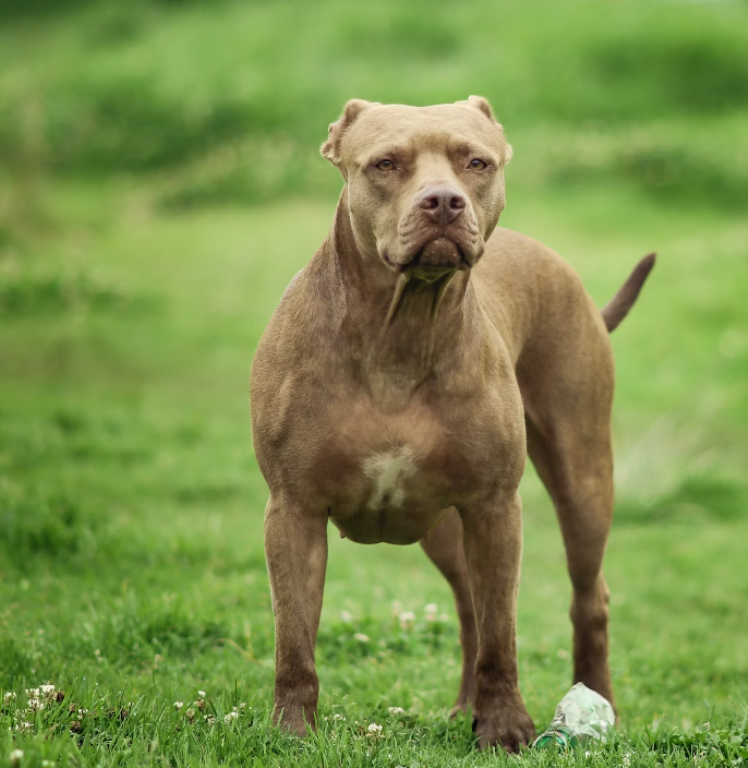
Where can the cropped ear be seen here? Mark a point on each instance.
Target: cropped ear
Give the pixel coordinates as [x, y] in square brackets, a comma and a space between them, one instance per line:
[331, 148]
[481, 104]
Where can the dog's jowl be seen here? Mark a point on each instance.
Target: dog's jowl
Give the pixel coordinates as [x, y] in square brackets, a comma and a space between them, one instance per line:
[405, 375]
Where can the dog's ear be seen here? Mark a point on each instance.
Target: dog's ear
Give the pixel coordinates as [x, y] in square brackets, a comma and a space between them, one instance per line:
[481, 104]
[331, 148]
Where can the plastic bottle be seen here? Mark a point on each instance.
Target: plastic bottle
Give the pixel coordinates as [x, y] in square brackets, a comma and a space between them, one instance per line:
[581, 716]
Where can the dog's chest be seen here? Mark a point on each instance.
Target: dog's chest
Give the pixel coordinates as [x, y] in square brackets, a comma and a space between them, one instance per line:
[389, 479]
[389, 472]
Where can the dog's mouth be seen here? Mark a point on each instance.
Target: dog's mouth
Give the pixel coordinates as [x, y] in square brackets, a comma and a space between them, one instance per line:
[435, 259]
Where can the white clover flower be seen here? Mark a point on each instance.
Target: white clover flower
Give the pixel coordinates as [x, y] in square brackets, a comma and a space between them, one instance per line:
[15, 756]
[374, 728]
[178, 704]
[201, 694]
[230, 717]
[33, 693]
[36, 705]
[24, 726]
[361, 637]
[407, 619]
[209, 719]
[346, 617]
[190, 714]
[397, 608]
[243, 706]
[47, 690]
[338, 716]
[396, 711]
[431, 608]
[8, 698]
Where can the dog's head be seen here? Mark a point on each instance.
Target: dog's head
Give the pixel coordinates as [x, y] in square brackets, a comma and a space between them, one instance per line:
[424, 185]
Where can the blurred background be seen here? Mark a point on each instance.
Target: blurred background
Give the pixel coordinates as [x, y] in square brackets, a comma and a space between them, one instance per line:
[224, 104]
[160, 183]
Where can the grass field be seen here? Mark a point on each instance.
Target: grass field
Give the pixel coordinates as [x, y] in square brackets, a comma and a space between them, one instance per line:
[159, 186]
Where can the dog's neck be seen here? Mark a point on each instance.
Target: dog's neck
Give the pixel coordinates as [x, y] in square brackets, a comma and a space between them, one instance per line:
[400, 330]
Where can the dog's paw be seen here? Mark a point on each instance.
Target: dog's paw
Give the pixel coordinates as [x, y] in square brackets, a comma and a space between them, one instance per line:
[510, 728]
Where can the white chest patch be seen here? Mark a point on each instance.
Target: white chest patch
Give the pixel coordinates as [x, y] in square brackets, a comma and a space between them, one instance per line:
[389, 471]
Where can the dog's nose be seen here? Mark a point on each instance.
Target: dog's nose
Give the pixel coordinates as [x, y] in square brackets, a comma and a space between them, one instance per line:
[442, 204]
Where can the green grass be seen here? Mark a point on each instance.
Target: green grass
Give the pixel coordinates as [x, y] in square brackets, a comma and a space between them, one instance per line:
[161, 185]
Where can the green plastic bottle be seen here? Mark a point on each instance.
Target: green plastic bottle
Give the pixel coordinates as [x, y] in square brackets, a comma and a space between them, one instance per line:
[581, 716]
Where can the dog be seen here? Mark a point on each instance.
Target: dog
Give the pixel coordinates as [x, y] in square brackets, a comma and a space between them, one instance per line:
[406, 373]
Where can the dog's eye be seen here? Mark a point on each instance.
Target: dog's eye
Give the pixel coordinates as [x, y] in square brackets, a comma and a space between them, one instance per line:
[477, 164]
[386, 165]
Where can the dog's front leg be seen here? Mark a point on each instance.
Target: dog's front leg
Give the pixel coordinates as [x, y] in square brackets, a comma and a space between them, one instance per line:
[296, 552]
[493, 548]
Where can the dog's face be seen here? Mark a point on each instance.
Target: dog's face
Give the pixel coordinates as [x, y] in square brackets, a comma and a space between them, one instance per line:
[425, 185]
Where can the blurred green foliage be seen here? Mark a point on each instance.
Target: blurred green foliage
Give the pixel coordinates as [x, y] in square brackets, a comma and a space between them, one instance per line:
[228, 102]
[44, 290]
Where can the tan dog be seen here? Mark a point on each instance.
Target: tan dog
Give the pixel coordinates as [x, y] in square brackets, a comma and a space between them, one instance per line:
[401, 380]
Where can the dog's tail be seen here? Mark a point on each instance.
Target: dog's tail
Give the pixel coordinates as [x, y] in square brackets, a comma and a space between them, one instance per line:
[618, 307]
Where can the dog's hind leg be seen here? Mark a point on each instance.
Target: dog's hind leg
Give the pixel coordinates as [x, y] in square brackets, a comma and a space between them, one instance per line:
[574, 460]
[444, 546]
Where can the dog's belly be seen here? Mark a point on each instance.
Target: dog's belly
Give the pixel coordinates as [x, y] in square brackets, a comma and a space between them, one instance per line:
[389, 526]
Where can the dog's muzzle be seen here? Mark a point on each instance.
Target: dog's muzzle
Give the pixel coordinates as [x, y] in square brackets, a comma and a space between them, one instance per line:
[442, 235]
[440, 255]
